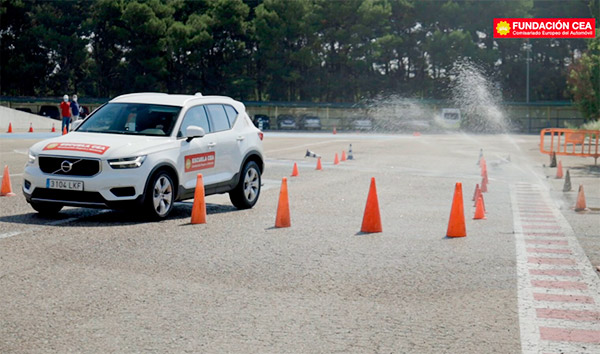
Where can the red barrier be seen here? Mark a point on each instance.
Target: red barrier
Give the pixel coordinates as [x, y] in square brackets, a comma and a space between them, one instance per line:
[568, 142]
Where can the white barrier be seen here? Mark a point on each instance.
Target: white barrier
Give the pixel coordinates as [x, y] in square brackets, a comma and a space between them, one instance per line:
[20, 121]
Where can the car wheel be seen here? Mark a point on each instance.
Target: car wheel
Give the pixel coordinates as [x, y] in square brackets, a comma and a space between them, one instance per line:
[159, 196]
[246, 193]
[46, 208]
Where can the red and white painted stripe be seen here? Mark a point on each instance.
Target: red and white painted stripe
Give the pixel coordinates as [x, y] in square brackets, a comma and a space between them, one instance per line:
[559, 292]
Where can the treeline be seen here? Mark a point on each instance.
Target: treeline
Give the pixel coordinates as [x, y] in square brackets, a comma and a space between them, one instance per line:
[288, 50]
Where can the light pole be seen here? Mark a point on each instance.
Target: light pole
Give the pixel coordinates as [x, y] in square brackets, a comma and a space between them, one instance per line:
[527, 49]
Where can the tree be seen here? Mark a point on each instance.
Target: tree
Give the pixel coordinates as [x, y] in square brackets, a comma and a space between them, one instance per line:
[584, 81]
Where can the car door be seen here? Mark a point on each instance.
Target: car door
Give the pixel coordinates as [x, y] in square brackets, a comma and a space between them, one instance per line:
[199, 154]
[228, 158]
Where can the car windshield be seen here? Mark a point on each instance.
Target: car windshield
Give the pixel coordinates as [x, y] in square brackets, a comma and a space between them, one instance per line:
[133, 119]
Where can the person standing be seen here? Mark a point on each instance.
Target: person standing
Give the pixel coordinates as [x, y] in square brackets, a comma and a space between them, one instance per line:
[65, 111]
[75, 108]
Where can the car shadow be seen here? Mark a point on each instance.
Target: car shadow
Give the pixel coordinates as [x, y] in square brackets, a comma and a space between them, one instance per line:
[106, 217]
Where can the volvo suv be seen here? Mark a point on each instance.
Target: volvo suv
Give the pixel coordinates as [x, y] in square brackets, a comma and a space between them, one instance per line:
[146, 149]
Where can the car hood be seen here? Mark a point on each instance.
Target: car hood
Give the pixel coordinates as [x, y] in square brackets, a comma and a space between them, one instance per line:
[107, 146]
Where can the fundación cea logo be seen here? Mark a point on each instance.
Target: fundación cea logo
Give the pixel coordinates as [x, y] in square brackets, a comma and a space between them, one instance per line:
[544, 28]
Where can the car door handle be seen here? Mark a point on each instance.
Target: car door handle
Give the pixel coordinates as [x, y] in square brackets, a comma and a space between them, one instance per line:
[211, 145]
[240, 138]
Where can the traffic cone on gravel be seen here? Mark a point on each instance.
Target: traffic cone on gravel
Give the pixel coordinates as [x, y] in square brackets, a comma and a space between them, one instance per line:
[456, 224]
[479, 209]
[295, 170]
[283, 207]
[336, 160]
[319, 167]
[580, 205]
[64, 132]
[559, 170]
[567, 186]
[553, 160]
[350, 157]
[53, 129]
[199, 206]
[334, 130]
[6, 189]
[9, 127]
[484, 188]
[343, 155]
[30, 128]
[371, 219]
[476, 193]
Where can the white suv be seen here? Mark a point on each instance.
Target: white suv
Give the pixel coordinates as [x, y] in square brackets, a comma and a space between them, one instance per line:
[146, 149]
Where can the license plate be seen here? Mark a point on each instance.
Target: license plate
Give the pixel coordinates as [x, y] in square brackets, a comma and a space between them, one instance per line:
[64, 184]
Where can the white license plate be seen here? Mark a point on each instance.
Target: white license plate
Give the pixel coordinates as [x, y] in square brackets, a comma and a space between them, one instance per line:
[64, 184]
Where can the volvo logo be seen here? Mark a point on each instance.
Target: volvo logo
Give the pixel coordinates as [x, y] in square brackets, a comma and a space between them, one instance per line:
[66, 166]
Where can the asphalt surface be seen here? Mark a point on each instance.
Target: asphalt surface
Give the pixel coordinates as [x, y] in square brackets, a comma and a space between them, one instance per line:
[99, 281]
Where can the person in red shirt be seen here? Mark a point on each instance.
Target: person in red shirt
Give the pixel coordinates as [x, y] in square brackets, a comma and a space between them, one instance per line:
[65, 111]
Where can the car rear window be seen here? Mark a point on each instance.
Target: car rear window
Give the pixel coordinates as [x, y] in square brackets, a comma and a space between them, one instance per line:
[218, 117]
[231, 114]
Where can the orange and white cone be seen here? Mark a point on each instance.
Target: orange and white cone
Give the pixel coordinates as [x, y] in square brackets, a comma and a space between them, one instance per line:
[319, 167]
[9, 128]
[580, 205]
[336, 160]
[371, 219]
[479, 209]
[53, 129]
[30, 128]
[6, 188]
[199, 206]
[559, 170]
[343, 155]
[282, 219]
[456, 224]
[295, 170]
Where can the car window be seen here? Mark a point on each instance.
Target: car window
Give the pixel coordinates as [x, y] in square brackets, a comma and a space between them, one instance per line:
[132, 118]
[231, 114]
[218, 117]
[195, 116]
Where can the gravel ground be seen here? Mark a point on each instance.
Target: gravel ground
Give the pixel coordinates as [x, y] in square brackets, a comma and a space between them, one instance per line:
[102, 281]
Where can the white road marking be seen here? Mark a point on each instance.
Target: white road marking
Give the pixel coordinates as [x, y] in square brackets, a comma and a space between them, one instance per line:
[545, 289]
[51, 223]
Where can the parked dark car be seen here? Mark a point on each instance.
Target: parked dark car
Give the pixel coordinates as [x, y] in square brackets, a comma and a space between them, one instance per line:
[24, 109]
[264, 119]
[50, 112]
[310, 122]
[286, 121]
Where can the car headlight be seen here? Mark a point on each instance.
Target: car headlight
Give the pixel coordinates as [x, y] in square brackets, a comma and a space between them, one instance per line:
[31, 157]
[128, 162]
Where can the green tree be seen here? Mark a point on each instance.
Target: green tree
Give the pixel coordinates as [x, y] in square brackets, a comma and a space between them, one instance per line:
[584, 80]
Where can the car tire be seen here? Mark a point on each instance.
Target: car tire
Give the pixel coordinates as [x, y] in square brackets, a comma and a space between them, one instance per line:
[246, 193]
[159, 196]
[46, 208]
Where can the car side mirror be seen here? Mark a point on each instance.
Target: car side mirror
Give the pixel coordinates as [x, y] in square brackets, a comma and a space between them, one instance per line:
[193, 131]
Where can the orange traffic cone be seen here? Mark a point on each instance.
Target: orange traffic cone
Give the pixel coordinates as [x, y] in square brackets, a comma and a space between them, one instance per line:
[9, 127]
[295, 170]
[484, 188]
[476, 193]
[579, 206]
[199, 206]
[64, 132]
[485, 176]
[336, 160]
[283, 206]
[559, 171]
[371, 219]
[334, 130]
[53, 129]
[456, 225]
[479, 209]
[30, 128]
[319, 167]
[343, 155]
[6, 189]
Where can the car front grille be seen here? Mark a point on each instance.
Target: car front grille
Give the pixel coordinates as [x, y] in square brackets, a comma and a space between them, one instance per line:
[60, 166]
[69, 196]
